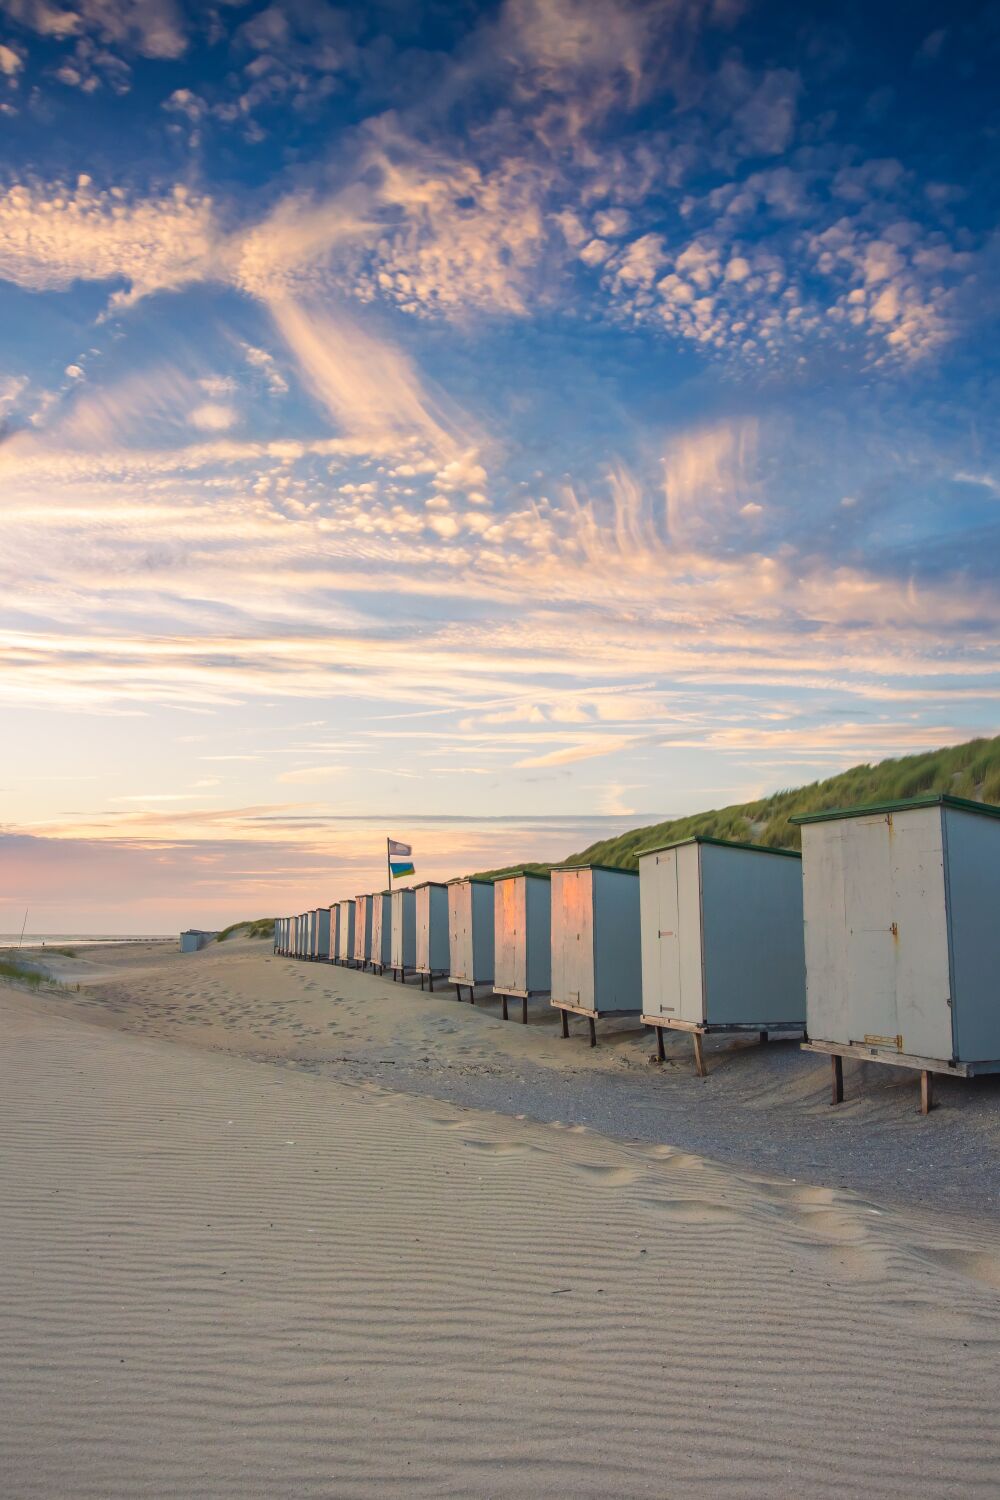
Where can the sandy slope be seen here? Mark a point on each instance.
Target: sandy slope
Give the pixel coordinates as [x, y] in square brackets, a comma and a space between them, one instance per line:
[225, 1278]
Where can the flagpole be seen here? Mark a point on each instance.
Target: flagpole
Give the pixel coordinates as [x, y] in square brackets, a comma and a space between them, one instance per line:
[388, 863]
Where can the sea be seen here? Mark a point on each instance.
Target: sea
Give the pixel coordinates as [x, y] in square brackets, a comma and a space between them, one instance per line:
[78, 940]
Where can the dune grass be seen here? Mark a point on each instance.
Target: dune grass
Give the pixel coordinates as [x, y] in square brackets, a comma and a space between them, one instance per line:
[971, 770]
[12, 968]
[260, 927]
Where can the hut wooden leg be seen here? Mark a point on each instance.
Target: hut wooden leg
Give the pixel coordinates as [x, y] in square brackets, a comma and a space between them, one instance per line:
[503, 1006]
[763, 1037]
[524, 1011]
[430, 983]
[661, 1051]
[564, 1018]
[837, 1080]
[472, 994]
[926, 1091]
[699, 1055]
[593, 1031]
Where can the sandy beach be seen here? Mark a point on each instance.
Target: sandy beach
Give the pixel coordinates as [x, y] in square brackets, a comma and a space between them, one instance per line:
[258, 1240]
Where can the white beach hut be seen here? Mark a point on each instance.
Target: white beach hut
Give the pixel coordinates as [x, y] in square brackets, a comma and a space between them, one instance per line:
[902, 936]
[596, 962]
[345, 936]
[404, 933]
[522, 932]
[431, 917]
[470, 934]
[334, 932]
[722, 947]
[362, 931]
[381, 946]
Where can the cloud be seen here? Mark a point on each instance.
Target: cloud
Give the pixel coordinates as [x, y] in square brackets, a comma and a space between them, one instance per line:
[152, 28]
[52, 236]
[260, 359]
[370, 389]
[212, 416]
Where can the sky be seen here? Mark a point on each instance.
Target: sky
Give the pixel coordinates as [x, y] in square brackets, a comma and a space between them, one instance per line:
[492, 426]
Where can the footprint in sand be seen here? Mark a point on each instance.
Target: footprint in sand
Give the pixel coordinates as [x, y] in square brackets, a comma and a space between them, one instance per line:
[495, 1148]
[978, 1265]
[603, 1176]
[692, 1210]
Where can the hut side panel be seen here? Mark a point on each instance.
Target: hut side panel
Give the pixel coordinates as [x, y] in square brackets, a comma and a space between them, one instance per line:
[538, 914]
[618, 946]
[753, 950]
[973, 848]
[432, 929]
[323, 927]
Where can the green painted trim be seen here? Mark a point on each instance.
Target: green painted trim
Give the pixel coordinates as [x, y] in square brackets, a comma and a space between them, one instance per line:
[611, 869]
[519, 874]
[468, 880]
[424, 883]
[935, 799]
[704, 838]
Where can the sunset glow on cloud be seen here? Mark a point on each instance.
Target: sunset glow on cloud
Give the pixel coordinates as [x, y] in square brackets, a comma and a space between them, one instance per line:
[494, 425]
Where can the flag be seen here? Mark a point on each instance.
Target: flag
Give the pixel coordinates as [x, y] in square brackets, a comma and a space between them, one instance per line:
[400, 859]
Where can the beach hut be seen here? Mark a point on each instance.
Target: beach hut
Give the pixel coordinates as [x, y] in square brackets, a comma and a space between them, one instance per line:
[902, 937]
[381, 957]
[596, 965]
[404, 933]
[722, 947]
[470, 935]
[334, 932]
[345, 934]
[522, 932]
[322, 949]
[431, 915]
[305, 935]
[194, 938]
[362, 931]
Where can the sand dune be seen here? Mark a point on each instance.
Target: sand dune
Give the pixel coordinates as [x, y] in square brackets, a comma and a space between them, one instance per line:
[225, 1278]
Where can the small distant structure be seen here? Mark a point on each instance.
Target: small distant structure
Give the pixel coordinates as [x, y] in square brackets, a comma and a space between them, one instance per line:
[363, 931]
[381, 955]
[345, 933]
[522, 938]
[596, 969]
[432, 931]
[470, 934]
[403, 937]
[194, 938]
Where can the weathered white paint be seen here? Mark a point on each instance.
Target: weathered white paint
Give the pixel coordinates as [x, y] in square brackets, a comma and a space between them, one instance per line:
[901, 931]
